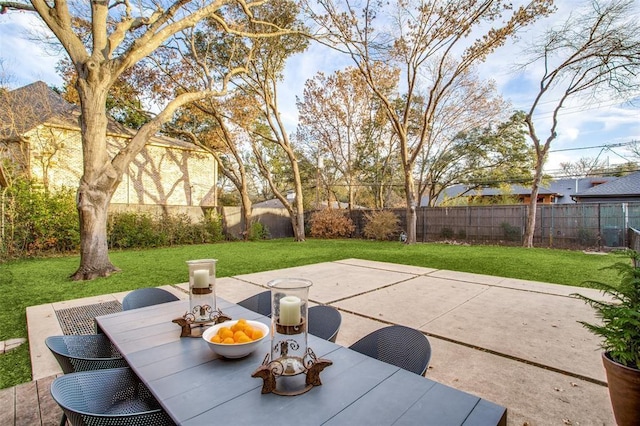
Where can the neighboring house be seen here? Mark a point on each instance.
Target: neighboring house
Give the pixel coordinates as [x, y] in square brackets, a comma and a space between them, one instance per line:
[40, 137]
[559, 191]
[545, 195]
[622, 189]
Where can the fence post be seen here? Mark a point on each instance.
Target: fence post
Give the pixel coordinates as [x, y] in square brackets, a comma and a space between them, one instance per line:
[625, 214]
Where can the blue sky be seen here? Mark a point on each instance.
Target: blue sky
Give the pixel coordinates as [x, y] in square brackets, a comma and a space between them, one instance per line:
[583, 122]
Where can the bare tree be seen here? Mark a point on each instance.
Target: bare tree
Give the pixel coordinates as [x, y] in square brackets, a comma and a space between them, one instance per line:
[268, 134]
[583, 167]
[634, 147]
[344, 128]
[209, 123]
[592, 53]
[122, 34]
[432, 44]
[6, 77]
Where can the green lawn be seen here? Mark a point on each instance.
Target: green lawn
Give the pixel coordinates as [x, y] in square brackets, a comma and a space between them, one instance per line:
[34, 282]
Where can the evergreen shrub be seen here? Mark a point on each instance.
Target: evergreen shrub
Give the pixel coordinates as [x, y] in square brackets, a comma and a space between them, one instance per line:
[38, 222]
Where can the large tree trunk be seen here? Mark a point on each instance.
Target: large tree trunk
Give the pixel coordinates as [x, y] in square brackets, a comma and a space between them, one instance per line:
[245, 210]
[533, 203]
[412, 220]
[297, 218]
[94, 256]
[98, 183]
[298, 230]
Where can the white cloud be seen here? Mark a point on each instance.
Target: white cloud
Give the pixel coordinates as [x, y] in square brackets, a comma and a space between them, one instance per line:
[24, 59]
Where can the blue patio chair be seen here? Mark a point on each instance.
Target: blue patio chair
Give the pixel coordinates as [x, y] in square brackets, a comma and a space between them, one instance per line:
[83, 352]
[260, 303]
[324, 322]
[401, 346]
[147, 297]
[107, 398]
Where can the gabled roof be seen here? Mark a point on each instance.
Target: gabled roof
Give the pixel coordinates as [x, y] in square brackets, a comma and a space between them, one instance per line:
[628, 185]
[27, 107]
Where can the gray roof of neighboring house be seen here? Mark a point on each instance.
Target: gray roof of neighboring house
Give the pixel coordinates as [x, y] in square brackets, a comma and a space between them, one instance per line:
[566, 188]
[515, 190]
[628, 185]
[462, 190]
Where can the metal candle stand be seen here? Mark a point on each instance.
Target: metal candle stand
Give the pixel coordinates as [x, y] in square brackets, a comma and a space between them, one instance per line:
[202, 299]
[192, 328]
[290, 356]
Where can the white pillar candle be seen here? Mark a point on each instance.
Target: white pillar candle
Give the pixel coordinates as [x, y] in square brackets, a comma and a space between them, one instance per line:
[201, 278]
[290, 310]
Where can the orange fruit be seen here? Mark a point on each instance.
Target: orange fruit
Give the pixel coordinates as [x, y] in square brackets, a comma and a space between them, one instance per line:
[225, 332]
[216, 339]
[248, 330]
[238, 335]
[228, 341]
[243, 339]
[257, 334]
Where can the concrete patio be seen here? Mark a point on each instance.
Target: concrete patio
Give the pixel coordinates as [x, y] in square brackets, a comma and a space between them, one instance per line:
[516, 343]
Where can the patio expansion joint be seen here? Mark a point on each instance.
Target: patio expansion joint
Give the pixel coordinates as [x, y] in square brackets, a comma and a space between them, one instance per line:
[377, 268]
[457, 306]
[567, 296]
[413, 276]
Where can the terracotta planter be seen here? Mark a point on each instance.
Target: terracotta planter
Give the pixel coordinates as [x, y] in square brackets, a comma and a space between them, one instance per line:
[624, 391]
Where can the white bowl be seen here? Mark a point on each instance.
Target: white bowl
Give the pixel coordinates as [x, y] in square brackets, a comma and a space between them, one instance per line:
[236, 350]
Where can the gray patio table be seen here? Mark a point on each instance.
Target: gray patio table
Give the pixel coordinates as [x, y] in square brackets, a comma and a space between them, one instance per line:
[197, 387]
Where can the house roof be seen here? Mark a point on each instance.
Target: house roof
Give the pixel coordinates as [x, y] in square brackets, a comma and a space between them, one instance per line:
[29, 106]
[515, 190]
[572, 186]
[628, 185]
[24, 108]
[463, 190]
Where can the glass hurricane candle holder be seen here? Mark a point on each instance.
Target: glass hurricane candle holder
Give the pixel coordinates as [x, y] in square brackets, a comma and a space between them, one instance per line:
[289, 307]
[202, 289]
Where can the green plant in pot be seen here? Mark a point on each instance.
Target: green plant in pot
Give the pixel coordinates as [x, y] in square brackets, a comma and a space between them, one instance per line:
[620, 333]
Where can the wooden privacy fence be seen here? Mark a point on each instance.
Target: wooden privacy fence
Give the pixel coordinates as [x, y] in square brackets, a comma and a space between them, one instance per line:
[634, 239]
[275, 220]
[587, 225]
[575, 226]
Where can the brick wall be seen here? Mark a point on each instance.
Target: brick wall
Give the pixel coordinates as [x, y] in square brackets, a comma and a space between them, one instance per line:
[161, 174]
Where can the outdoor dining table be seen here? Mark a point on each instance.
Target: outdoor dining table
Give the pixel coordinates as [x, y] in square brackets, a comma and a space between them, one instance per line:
[197, 387]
